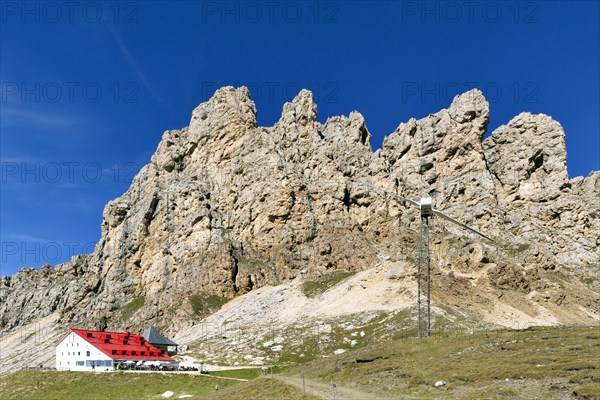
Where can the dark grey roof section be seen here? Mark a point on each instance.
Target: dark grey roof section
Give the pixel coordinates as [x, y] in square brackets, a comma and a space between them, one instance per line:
[154, 337]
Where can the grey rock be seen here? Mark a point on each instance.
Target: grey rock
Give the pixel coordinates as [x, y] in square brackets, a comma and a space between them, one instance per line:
[225, 207]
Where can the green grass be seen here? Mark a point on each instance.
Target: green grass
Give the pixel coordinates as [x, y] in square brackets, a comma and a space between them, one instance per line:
[245, 373]
[488, 363]
[130, 308]
[261, 389]
[542, 362]
[315, 288]
[50, 385]
[588, 390]
[365, 329]
[205, 304]
[522, 247]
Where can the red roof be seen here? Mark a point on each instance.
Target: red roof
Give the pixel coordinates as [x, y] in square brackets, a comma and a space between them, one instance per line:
[123, 345]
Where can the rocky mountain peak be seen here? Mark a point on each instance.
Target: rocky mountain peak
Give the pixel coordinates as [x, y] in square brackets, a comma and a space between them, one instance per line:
[225, 207]
[469, 106]
[529, 157]
[229, 106]
[300, 112]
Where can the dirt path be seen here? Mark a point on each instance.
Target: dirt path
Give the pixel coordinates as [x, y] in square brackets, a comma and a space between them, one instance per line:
[325, 391]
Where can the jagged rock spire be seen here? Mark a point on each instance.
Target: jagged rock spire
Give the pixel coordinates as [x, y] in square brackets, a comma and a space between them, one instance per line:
[225, 207]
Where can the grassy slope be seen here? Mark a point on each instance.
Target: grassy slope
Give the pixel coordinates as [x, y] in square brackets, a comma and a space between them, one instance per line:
[263, 389]
[551, 363]
[205, 304]
[130, 308]
[33, 385]
[535, 363]
[327, 281]
[85, 385]
[245, 373]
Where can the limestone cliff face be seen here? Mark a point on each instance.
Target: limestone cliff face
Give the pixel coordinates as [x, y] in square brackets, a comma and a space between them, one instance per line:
[527, 159]
[225, 206]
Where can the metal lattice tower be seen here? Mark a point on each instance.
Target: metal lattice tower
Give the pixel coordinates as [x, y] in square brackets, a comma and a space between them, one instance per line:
[427, 211]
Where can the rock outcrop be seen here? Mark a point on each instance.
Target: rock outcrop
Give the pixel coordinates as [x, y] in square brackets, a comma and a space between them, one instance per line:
[225, 206]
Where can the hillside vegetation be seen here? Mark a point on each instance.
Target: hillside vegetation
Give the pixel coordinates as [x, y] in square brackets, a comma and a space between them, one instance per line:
[550, 363]
[52, 385]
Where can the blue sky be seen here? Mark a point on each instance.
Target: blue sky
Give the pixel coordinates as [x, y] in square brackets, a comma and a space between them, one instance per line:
[89, 87]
